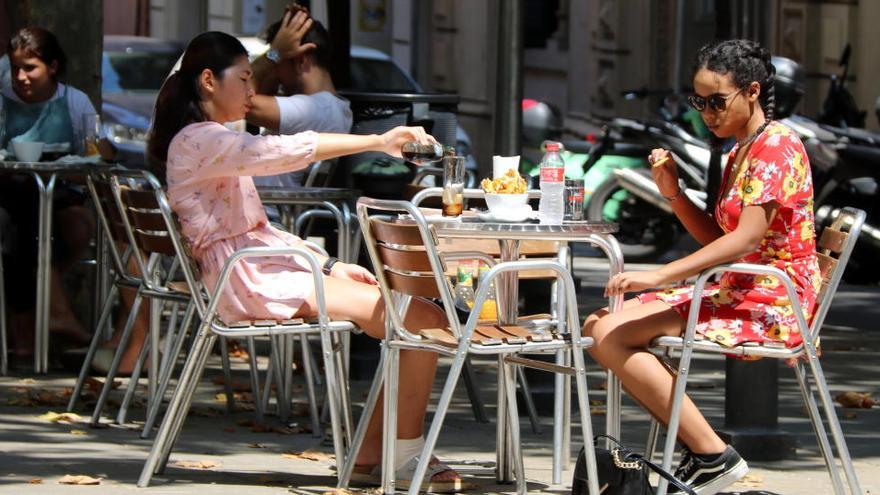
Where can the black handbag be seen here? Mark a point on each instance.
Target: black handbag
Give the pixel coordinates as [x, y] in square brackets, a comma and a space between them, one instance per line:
[621, 472]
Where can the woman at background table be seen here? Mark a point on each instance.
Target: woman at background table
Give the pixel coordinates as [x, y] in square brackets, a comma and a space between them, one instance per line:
[39, 107]
[764, 215]
[209, 171]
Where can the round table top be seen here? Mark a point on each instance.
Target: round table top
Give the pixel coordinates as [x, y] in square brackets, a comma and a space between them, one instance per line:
[469, 227]
[307, 194]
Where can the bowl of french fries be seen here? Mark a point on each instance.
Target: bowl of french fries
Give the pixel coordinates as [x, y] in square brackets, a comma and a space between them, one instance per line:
[506, 193]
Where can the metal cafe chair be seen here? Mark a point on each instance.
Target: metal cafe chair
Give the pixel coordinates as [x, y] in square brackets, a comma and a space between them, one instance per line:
[212, 327]
[833, 250]
[100, 185]
[407, 264]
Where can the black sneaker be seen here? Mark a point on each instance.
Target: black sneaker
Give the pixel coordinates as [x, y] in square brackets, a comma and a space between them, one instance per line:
[709, 477]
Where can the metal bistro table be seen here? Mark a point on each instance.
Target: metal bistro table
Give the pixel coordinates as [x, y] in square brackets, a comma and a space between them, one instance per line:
[46, 174]
[509, 236]
[336, 201]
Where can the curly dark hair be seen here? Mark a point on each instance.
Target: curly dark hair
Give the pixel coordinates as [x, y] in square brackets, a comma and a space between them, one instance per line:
[746, 61]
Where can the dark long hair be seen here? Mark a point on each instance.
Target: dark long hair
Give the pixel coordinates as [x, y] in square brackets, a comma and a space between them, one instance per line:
[745, 61]
[178, 102]
[42, 44]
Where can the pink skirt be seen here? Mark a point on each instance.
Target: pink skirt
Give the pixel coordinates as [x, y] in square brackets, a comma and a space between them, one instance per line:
[271, 288]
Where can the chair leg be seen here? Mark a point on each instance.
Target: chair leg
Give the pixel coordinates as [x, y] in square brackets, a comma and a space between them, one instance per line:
[437, 422]
[651, 441]
[819, 428]
[342, 387]
[188, 394]
[527, 398]
[93, 348]
[833, 423]
[477, 406]
[267, 388]
[511, 374]
[227, 376]
[584, 412]
[4, 363]
[333, 395]
[680, 381]
[287, 356]
[168, 370]
[310, 386]
[369, 407]
[255, 380]
[122, 415]
[191, 372]
[561, 418]
[280, 391]
[117, 358]
[389, 421]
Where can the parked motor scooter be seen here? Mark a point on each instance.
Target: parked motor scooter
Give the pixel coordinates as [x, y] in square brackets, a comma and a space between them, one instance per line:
[845, 167]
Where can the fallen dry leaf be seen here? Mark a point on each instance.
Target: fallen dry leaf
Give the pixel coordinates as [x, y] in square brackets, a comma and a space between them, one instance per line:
[597, 410]
[197, 464]
[35, 481]
[205, 412]
[54, 417]
[751, 481]
[239, 397]
[310, 455]
[281, 430]
[229, 429]
[79, 479]
[79, 432]
[256, 446]
[341, 491]
[858, 400]
[235, 350]
[850, 415]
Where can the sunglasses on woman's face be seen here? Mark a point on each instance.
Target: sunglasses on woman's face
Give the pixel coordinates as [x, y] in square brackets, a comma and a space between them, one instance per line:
[715, 102]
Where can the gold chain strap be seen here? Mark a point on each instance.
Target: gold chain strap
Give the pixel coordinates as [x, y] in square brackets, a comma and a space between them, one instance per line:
[615, 454]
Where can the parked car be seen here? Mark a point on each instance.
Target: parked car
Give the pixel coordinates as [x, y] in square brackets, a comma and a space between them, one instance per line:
[133, 69]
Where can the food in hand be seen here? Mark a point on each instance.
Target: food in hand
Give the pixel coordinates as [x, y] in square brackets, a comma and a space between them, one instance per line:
[661, 161]
[509, 183]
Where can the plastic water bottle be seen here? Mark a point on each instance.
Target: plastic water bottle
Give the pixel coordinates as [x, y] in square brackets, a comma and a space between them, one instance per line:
[552, 207]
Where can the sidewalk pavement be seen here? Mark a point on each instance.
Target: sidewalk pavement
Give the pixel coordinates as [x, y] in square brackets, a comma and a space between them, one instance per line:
[35, 453]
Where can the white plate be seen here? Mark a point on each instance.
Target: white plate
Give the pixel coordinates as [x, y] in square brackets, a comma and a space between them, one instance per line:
[512, 216]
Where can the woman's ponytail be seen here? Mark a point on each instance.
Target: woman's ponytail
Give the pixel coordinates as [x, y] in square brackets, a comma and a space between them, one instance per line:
[178, 103]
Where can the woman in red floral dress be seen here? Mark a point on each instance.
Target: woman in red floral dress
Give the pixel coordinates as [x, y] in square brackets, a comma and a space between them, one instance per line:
[764, 215]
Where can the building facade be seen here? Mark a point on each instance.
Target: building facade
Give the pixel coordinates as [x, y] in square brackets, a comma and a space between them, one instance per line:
[579, 55]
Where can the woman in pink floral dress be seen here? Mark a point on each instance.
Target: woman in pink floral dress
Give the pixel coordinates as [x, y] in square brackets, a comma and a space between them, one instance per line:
[209, 171]
[764, 215]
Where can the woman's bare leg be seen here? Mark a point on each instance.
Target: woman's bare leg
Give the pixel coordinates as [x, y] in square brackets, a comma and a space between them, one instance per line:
[621, 341]
[362, 304]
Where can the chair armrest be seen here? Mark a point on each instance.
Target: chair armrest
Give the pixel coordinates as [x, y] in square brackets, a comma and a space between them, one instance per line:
[745, 268]
[525, 265]
[264, 252]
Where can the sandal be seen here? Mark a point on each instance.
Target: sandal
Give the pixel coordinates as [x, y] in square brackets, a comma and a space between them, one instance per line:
[372, 476]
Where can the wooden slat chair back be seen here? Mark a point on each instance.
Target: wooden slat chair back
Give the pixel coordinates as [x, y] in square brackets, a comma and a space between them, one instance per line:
[405, 262]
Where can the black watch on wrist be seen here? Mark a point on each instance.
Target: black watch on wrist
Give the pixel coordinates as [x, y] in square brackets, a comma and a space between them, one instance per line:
[328, 265]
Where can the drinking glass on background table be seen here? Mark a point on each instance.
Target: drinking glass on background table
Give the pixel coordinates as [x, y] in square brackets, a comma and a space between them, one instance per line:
[453, 185]
[574, 199]
[92, 131]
